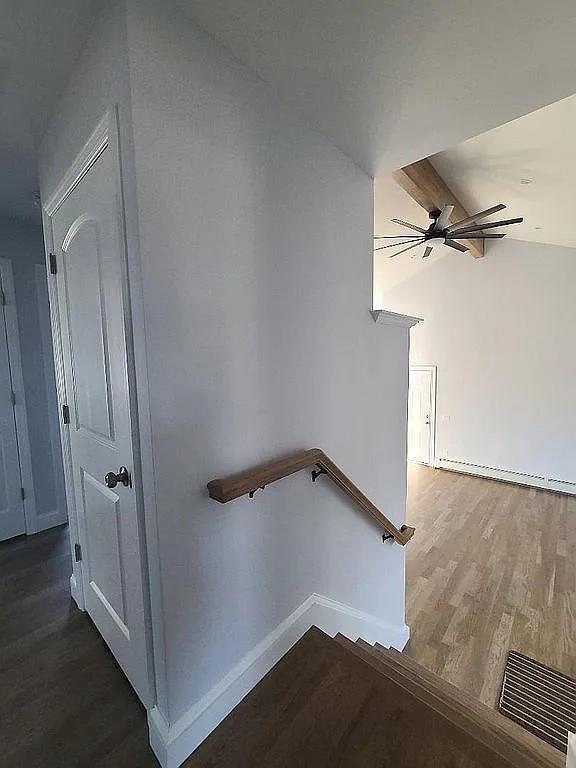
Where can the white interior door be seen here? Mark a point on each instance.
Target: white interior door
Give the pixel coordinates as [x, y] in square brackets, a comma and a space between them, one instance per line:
[421, 410]
[87, 236]
[12, 520]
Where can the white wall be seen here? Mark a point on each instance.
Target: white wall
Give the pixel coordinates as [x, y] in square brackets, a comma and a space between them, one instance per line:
[255, 241]
[253, 237]
[22, 243]
[100, 78]
[501, 331]
[256, 255]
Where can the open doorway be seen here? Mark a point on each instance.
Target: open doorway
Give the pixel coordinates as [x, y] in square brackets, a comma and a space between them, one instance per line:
[492, 466]
[32, 495]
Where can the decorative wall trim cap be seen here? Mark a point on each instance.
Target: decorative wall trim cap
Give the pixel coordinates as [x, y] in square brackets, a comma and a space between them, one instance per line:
[86, 158]
[394, 318]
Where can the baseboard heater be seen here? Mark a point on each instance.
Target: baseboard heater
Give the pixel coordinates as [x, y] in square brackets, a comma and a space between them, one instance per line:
[508, 475]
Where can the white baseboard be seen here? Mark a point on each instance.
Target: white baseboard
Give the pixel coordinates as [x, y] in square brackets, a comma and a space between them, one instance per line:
[50, 520]
[74, 592]
[173, 743]
[508, 476]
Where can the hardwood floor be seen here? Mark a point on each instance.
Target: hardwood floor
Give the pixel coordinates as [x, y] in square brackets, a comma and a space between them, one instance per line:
[492, 566]
[63, 700]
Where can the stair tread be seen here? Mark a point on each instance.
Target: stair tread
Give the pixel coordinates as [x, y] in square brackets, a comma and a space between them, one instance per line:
[446, 688]
[324, 705]
[262, 715]
[401, 659]
[404, 664]
[465, 711]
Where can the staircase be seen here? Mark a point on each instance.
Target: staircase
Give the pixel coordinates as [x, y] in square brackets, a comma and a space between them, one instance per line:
[331, 702]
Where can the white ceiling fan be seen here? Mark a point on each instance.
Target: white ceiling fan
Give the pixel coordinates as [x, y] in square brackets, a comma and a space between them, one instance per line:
[440, 232]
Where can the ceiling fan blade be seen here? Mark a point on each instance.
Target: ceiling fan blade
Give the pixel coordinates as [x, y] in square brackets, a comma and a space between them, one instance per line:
[395, 245]
[480, 227]
[406, 249]
[443, 220]
[428, 251]
[480, 237]
[454, 244]
[394, 237]
[481, 215]
[410, 226]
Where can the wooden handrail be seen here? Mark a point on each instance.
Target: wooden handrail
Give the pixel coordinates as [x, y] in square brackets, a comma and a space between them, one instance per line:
[249, 482]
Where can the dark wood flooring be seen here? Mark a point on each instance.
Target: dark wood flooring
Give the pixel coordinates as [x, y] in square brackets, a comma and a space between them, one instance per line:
[330, 702]
[64, 702]
[491, 566]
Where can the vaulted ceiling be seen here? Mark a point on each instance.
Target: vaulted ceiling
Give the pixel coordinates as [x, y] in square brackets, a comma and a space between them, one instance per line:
[389, 81]
[392, 81]
[529, 164]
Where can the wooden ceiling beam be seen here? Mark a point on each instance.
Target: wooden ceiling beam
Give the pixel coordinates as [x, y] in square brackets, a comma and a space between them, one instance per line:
[425, 185]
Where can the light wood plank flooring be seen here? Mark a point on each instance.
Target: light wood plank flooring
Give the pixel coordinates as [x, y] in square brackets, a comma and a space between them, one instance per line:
[492, 566]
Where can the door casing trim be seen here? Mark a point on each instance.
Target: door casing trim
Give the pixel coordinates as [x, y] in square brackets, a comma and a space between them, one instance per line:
[433, 370]
[90, 152]
[20, 411]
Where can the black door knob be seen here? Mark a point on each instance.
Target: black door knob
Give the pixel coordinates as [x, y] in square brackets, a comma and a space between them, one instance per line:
[112, 479]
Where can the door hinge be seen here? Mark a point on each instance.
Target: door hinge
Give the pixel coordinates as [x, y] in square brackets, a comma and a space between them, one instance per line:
[13, 398]
[22, 493]
[53, 264]
[2, 297]
[66, 414]
[77, 553]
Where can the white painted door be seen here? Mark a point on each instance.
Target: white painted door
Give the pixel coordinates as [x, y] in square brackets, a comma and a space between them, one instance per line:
[12, 520]
[421, 402]
[87, 235]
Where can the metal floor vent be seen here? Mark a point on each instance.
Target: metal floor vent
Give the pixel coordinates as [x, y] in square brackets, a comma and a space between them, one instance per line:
[540, 699]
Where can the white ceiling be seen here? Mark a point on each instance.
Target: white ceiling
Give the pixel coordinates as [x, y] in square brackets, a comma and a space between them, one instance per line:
[495, 167]
[388, 81]
[39, 42]
[486, 170]
[391, 81]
